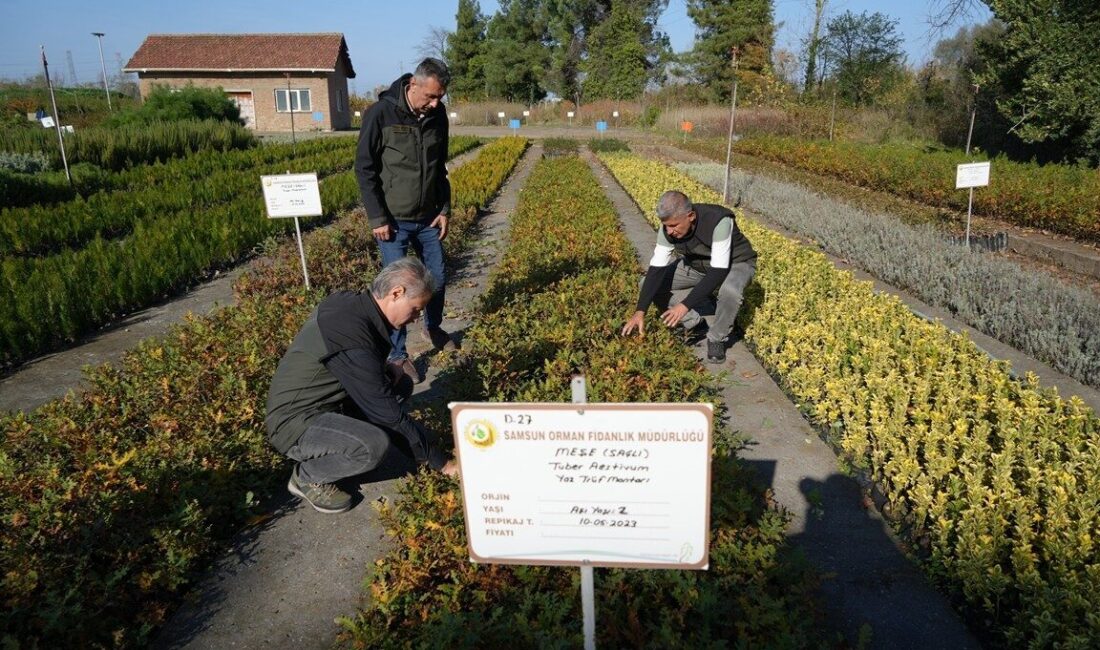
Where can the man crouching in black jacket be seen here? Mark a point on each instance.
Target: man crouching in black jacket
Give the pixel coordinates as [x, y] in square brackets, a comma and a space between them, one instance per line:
[333, 405]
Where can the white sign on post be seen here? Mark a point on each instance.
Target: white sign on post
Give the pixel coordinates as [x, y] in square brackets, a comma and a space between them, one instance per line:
[527, 113]
[292, 195]
[618, 485]
[47, 122]
[972, 175]
[569, 114]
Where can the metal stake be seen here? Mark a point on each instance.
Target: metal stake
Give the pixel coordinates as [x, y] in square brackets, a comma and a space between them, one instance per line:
[588, 580]
[729, 141]
[103, 67]
[56, 117]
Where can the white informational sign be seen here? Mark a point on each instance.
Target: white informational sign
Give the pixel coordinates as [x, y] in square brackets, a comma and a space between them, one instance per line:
[527, 113]
[68, 128]
[501, 115]
[454, 116]
[358, 114]
[47, 122]
[569, 114]
[292, 195]
[972, 175]
[624, 485]
[614, 113]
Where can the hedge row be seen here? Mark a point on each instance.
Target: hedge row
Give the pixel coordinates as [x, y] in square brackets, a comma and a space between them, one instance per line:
[1031, 311]
[44, 229]
[544, 319]
[112, 501]
[997, 480]
[47, 301]
[119, 148]
[1059, 198]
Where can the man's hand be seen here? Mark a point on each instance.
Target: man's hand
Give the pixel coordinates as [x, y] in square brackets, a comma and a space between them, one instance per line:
[441, 223]
[451, 468]
[383, 233]
[636, 322]
[674, 314]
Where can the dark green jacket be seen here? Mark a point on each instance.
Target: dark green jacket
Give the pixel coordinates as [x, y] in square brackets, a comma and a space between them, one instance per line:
[337, 364]
[401, 160]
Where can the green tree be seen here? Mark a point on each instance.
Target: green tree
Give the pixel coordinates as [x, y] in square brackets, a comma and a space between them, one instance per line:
[517, 51]
[722, 25]
[1045, 74]
[618, 63]
[947, 88]
[464, 54]
[572, 25]
[166, 104]
[863, 55]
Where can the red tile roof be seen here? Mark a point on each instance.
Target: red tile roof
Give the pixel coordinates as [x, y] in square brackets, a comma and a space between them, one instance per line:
[225, 52]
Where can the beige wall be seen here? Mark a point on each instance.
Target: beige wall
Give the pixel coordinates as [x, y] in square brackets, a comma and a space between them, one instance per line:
[322, 89]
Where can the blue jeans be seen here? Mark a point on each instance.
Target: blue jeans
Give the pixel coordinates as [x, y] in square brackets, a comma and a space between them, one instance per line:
[424, 239]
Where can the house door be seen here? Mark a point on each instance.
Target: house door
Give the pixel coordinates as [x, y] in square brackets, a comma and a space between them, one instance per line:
[243, 100]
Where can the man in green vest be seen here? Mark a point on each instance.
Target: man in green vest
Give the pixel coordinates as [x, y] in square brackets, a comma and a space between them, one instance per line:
[699, 247]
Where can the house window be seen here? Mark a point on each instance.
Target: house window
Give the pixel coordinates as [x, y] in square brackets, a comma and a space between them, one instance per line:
[296, 98]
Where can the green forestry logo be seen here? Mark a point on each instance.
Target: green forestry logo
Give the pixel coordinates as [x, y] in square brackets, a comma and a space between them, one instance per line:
[480, 433]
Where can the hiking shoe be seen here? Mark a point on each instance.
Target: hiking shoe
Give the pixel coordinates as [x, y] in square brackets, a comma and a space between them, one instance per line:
[440, 339]
[716, 351]
[404, 367]
[324, 497]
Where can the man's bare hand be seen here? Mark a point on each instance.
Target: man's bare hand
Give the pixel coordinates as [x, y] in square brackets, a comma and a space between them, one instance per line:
[441, 223]
[674, 315]
[451, 468]
[383, 233]
[636, 322]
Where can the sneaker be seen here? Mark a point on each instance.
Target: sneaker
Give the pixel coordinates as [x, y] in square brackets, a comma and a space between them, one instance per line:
[716, 351]
[324, 497]
[441, 340]
[405, 368]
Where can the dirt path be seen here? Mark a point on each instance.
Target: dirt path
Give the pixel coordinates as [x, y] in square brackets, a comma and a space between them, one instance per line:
[53, 375]
[868, 581]
[285, 581]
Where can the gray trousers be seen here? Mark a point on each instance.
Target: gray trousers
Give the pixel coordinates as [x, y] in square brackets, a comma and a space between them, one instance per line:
[731, 292]
[336, 446]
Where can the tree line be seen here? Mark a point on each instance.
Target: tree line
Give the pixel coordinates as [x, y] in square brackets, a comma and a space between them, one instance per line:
[1032, 71]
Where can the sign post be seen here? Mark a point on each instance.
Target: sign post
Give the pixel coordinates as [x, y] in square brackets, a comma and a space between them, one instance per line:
[293, 195]
[971, 175]
[586, 485]
[500, 116]
[569, 114]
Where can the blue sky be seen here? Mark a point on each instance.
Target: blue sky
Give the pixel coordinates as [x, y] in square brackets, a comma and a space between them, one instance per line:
[383, 37]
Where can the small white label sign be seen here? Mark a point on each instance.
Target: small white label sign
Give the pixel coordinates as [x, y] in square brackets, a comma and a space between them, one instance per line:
[972, 175]
[500, 115]
[47, 122]
[292, 195]
[569, 114]
[623, 485]
[527, 113]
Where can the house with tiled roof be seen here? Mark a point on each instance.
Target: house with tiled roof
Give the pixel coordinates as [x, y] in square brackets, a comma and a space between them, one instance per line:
[278, 80]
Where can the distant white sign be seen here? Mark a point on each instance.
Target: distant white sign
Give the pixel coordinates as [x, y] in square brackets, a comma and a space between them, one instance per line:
[569, 114]
[614, 113]
[501, 115]
[972, 175]
[292, 195]
[454, 116]
[68, 128]
[527, 113]
[595, 484]
[48, 122]
[358, 114]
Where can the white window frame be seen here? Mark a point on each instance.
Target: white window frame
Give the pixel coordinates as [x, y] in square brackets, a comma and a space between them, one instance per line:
[293, 96]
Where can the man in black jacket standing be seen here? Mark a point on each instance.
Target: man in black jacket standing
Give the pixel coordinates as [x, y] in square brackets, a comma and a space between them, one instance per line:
[333, 404]
[699, 247]
[400, 164]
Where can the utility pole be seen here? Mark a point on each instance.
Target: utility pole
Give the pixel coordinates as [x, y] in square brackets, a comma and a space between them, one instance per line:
[103, 67]
[729, 141]
[56, 117]
[973, 113]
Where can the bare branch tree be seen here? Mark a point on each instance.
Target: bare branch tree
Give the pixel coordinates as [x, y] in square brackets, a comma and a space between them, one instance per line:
[945, 13]
[434, 44]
